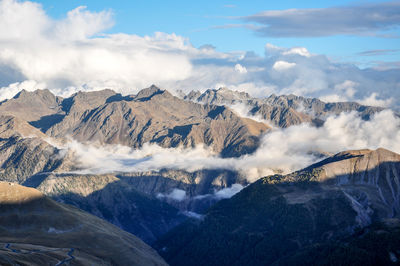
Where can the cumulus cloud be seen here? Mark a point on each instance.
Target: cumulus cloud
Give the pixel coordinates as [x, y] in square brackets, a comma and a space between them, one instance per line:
[282, 65]
[303, 145]
[12, 89]
[374, 101]
[74, 53]
[345, 92]
[241, 69]
[81, 24]
[366, 19]
[298, 50]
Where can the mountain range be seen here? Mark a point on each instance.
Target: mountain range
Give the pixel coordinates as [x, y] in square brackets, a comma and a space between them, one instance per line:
[280, 218]
[281, 111]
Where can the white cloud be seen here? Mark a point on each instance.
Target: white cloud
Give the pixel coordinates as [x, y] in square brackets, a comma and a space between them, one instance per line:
[373, 100]
[333, 98]
[193, 215]
[228, 192]
[176, 194]
[299, 51]
[81, 24]
[22, 20]
[282, 65]
[243, 110]
[348, 87]
[12, 89]
[68, 52]
[241, 69]
[224, 193]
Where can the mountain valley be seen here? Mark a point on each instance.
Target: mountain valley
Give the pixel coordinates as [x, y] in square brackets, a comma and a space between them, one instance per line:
[189, 215]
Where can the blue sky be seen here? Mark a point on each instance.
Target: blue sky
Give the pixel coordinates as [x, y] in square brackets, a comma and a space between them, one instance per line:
[199, 21]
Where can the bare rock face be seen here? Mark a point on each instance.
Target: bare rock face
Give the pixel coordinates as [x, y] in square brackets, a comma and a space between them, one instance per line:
[24, 151]
[40, 108]
[156, 116]
[31, 106]
[281, 116]
[377, 171]
[75, 108]
[282, 111]
[36, 230]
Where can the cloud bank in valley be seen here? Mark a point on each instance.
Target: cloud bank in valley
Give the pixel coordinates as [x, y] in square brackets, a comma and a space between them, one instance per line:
[343, 132]
[75, 53]
[175, 194]
[180, 195]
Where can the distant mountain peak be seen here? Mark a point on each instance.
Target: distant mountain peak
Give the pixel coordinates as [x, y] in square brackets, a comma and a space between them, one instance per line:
[148, 93]
[42, 93]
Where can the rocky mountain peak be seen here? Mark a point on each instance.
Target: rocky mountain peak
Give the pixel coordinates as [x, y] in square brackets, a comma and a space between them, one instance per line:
[40, 93]
[32, 105]
[148, 93]
[81, 101]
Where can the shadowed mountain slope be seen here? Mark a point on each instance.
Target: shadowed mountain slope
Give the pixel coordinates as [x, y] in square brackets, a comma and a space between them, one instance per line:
[132, 200]
[35, 230]
[114, 200]
[277, 216]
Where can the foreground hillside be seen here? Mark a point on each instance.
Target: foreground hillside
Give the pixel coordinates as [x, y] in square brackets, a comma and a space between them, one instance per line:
[284, 218]
[35, 230]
